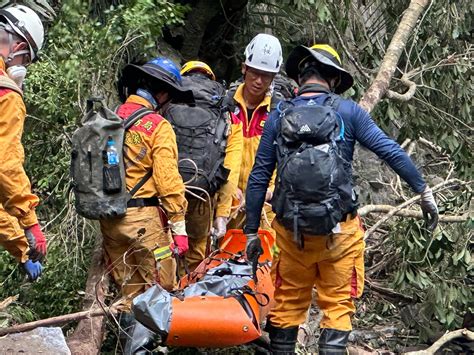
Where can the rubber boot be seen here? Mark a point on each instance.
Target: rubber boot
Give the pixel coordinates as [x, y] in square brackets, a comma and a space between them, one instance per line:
[333, 342]
[139, 340]
[282, 340]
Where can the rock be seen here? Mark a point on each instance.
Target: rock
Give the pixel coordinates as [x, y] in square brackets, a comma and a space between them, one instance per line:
[38, 341]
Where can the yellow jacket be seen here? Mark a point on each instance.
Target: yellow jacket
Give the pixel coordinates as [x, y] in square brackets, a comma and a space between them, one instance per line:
[232, 161]
[252, 132]
[15, 187]
[151, 144]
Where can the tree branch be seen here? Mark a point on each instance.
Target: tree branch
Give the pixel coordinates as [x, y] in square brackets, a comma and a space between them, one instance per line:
[346, 50]
[387, 291]
[446, 338]
[389, 64]
[408, 213]
[405, 96]
[66, 318]
[408, 203]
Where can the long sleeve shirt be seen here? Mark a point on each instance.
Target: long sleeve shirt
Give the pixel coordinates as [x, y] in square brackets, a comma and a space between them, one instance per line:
[358, 126]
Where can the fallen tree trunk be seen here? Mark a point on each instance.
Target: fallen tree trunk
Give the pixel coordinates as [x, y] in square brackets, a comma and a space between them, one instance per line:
[404, 212]
[389, 64]
[97, 312]
[89, 333]
[446, 338]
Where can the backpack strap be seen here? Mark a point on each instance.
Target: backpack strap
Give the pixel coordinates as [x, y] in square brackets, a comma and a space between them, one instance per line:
[129, 122]
[7, 83]
[134, 117]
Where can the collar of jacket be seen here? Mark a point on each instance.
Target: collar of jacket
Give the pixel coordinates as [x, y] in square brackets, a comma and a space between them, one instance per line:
[5, 81]
[239, 98]
[135, 99]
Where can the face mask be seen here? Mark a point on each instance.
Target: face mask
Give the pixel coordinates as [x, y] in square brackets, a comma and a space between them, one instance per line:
[17, 73]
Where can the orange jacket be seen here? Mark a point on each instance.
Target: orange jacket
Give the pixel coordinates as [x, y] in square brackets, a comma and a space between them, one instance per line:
[15, 187]
[232, 161]
[252, 131]
[151, 144]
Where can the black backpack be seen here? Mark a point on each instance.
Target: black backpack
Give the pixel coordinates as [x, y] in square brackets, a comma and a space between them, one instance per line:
[314, 182]
[201, 134]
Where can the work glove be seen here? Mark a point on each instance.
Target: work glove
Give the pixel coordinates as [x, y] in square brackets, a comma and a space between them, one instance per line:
[220, 227]
[33, 269]
[241, 198]
[429, 208]
[180, 238]
[37, 242]
[268, 195]
[253, 250]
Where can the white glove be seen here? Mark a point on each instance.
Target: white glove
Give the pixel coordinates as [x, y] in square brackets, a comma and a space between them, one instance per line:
[178, 228]
[429, 208]
[220, 227]
[268, 195]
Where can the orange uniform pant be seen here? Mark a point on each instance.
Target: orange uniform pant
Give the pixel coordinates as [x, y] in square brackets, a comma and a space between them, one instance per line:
[334, 264]
[198, 225]
[129, 243]
[12, 237]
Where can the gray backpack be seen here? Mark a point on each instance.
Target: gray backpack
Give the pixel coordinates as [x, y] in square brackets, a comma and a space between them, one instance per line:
[99, 187]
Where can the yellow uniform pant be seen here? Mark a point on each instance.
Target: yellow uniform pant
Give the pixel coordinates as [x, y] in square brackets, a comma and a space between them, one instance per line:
[198, 224]
[12, 237]
[334, 264]
[129, 243]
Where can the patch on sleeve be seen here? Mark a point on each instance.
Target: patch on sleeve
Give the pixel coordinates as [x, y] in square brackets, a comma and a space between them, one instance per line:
[133, 138]
[147, 124]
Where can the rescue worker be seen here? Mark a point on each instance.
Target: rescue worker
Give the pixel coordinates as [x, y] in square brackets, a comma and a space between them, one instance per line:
[253, 101]
[151, 160]
[199, 214]
[334, 263]
[21, 37]
[150, 146]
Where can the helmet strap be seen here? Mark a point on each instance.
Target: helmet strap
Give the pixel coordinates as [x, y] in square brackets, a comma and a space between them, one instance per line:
[13, 54]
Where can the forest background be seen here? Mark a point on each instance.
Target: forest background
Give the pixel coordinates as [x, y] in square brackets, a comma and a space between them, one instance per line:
[417, 284]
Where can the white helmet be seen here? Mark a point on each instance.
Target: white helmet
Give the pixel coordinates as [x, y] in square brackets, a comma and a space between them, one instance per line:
[27, 24]
[264, 53]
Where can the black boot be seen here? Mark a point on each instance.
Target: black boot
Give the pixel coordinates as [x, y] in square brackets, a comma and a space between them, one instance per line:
[282, 340]
[138, 339]
[333, 342]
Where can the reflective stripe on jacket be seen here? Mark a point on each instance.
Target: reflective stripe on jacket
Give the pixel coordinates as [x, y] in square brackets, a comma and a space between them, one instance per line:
[15, 187]
[151, 144]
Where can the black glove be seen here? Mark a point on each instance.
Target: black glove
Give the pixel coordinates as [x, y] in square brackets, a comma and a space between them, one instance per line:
[253, 251]
[429, 208]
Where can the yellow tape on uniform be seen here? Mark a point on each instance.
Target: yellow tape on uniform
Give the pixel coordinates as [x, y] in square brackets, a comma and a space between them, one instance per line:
[162, 253]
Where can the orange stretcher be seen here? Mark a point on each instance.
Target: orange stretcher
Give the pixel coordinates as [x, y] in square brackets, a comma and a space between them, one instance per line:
[217, 305]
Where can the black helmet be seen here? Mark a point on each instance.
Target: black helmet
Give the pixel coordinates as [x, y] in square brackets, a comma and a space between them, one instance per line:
[160, 71]
[323, 54]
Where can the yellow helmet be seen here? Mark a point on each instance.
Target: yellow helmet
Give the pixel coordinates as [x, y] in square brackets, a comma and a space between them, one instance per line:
[328, 49]
[196, 65]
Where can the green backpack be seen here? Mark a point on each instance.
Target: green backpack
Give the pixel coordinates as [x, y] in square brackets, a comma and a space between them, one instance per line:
[97, 169]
